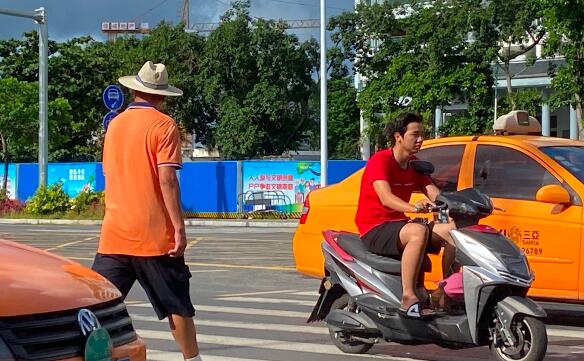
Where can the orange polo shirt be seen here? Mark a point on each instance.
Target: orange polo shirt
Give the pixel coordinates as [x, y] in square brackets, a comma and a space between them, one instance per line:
[138, 141]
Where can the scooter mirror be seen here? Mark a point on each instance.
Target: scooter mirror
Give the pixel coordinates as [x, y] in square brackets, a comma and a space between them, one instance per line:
[422, 166]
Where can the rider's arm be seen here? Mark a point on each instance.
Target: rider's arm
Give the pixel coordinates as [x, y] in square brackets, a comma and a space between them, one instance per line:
[431, 192]
[390, 200]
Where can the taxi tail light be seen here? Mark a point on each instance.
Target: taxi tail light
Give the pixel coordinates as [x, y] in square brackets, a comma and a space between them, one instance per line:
[305, 210]
[330, 238]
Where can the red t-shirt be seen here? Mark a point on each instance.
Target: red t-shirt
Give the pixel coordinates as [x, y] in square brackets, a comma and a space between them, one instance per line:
[383, 166]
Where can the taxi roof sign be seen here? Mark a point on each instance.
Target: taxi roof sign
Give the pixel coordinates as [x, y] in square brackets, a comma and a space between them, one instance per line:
[517, 122]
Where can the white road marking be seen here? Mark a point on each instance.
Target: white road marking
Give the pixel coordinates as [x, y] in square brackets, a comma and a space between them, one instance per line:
[267, 344]
[268, 300]
[238, 310]
[245, 325]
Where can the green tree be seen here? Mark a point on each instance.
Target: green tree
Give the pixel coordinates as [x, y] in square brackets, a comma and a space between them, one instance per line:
[257, 80]
[343, 120]
[181, 52]
[518, 27]
[79, 69]
[563, 19]
[421, 52]
[19, 122]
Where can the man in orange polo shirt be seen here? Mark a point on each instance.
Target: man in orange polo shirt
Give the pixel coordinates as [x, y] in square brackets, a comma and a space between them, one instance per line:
[143, 234]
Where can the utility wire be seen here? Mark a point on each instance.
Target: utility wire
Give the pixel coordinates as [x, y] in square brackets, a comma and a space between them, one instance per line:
[149, 10]
[304, 4]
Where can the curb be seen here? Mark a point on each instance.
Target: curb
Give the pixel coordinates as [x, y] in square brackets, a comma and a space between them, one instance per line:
[188, 222]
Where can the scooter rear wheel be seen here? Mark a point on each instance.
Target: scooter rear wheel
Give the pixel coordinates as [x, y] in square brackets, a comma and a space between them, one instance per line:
[343, 341]
[531, 342]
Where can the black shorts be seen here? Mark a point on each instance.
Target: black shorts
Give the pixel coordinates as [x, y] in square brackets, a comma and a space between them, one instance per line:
[164, 279]
[384, 239]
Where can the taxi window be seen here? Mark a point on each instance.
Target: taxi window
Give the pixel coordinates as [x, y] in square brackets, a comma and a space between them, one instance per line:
[446, 160]
[502, 172]
[571, 158]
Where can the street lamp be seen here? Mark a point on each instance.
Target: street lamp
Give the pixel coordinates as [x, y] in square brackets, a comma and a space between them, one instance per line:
[323, 97]
[40, 17]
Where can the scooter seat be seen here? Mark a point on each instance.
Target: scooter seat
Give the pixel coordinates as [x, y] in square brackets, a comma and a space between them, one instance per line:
[353, 245]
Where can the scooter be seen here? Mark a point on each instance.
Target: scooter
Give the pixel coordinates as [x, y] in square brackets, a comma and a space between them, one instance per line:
[361, 291]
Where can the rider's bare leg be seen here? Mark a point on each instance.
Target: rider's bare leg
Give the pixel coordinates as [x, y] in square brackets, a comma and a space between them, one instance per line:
[441, 234]
[421, 291]
[412, 238]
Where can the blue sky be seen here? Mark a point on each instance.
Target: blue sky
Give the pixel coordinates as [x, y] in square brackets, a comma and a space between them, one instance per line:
[71, 18]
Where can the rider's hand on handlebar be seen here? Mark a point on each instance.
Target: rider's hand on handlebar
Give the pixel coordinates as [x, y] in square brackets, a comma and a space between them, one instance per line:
[423, 206]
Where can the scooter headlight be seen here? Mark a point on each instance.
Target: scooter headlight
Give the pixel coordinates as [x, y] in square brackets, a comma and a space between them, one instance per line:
[483, 256]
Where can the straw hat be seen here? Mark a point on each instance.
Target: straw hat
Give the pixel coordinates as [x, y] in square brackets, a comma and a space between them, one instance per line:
[152, 79]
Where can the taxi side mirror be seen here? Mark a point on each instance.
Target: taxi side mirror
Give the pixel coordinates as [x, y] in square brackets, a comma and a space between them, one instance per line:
[554, 194]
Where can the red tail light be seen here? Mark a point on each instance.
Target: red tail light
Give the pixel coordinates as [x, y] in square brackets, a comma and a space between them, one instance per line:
[305, 210]
[330, 237]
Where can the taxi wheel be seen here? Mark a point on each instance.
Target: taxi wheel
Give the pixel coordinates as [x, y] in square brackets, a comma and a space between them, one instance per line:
[342, 340]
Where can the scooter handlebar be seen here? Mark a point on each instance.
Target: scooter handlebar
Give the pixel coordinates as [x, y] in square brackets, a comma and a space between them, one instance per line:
[438, 207]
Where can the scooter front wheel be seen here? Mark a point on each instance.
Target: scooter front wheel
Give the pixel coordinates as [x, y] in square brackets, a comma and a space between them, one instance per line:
[531, 341]
[343, 341]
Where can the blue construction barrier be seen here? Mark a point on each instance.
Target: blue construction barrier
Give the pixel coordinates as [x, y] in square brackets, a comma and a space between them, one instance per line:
[209, 187]
[206, 187]
[28, 180]
[341, 169]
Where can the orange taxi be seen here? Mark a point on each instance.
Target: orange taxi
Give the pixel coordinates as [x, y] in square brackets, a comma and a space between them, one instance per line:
[41, 301]
[536, 181]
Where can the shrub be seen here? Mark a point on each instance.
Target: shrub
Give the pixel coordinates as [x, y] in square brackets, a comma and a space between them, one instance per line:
[86, 200]
[48, 200]
[9, 206]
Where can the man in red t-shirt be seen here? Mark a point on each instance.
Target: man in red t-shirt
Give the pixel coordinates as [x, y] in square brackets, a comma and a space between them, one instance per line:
[386, 188]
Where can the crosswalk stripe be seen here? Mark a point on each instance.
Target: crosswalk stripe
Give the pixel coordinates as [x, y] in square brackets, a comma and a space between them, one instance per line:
[551, 331]
[268, 300]
[245, 325]
[257, 293]
[306, 293]
[564, 333]
[237, 310]
[154, 355]
[267, 344]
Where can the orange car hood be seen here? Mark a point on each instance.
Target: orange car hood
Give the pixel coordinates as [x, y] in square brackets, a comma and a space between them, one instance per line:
[34, 281]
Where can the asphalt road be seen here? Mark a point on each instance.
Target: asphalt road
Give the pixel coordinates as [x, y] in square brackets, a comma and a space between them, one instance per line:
[252, 305]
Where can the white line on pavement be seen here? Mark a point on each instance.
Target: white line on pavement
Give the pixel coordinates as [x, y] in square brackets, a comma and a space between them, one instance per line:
[307, 293]
[253, 343]
[564, 333]
[238, 310]
[245, 325]
[257, 293]
[267, 300]
[154, 355]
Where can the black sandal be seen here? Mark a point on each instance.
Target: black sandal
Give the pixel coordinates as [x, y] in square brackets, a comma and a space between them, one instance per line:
[415, 311]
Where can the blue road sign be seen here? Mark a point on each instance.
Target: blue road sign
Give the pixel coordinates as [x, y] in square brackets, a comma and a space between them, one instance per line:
[113, 97]
[108, 118]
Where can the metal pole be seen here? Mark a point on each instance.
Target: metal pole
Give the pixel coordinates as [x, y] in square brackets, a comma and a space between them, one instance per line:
[22, 14]
[323, 99]
[496, 86]
[545, 119]
[437, 121]
[41, 19]
[573, 123]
